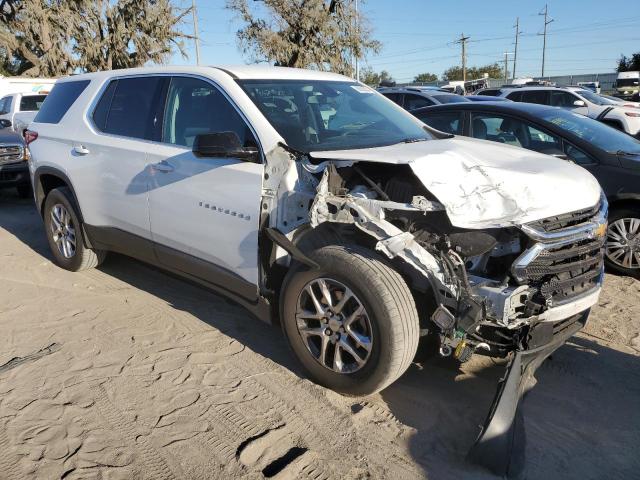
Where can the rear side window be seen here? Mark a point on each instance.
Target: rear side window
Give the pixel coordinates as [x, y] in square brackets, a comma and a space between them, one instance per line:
[449, 122]
[411, 102]
[59, 101]
[132, 107]
[395, 97]
[489, 92]
[31, 103]
[515, 96]
[535, 96]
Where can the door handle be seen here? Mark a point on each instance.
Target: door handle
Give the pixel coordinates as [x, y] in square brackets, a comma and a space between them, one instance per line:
[80, 149]
[163, 167]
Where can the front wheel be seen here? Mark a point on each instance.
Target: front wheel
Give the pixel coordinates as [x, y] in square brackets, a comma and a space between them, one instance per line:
[622, 249]
[64, 233]
[352, 323]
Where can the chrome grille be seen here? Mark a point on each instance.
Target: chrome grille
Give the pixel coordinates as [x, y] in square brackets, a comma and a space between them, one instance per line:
[553, 224]
[11, 153]
[564, 261]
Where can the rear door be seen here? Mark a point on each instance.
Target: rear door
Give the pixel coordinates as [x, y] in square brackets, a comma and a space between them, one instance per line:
[204, 211]
[112, 148]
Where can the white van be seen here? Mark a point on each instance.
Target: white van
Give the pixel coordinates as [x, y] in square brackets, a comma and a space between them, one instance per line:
[10, 85]
[627, 85]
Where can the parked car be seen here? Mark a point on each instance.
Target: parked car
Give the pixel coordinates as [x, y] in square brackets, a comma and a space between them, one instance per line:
[14, 171]
[620, 101]
[581, 101]
[610, 155]
[357, 235]
[593, 86]
[24, 105]
[411, 98]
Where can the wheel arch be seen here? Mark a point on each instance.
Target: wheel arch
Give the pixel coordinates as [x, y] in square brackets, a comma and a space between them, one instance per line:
[45, 179]
[624, 200]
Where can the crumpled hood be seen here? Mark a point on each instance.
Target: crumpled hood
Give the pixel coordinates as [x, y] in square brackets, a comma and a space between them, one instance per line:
[484, 184]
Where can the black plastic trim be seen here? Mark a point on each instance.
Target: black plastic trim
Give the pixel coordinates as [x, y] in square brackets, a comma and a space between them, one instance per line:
[184, 265]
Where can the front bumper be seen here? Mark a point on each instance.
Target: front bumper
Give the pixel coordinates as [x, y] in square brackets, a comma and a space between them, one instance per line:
[14, 174]
[500, 446]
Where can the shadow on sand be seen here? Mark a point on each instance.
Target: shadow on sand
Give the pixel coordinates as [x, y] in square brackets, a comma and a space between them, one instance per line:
[582, 418]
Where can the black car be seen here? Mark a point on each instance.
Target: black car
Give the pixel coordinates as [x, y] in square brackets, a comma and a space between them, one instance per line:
[612, 156]
[14, 170]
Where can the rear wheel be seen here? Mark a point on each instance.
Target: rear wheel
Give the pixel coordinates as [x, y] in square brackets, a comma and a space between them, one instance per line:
[352, 323]
[64, 233]
[622, 249]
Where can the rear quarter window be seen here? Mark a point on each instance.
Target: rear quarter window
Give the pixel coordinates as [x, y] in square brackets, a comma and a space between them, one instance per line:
[59, 101]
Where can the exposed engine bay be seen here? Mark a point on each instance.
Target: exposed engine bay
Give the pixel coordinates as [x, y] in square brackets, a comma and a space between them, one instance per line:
[485, 298]
[515, 290]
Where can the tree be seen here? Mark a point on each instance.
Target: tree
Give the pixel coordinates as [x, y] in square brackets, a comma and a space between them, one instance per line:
[455, 73]
[626, 64]
[425, 77]
[53, 38]
[373, 79]
[304, 33]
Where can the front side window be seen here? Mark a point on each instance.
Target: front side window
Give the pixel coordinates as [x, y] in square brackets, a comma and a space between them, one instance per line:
[59, 101]
[131, 107]
[315, 115]
[449, 122]
[411, 102]
[31, 103]
[513, 131]
[535, 96]
[562, 99]
[594, 97]
[577, 155]
[195, 107]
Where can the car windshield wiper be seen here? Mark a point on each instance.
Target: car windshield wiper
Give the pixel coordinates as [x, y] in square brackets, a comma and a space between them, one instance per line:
[622, 153]
[413, 140]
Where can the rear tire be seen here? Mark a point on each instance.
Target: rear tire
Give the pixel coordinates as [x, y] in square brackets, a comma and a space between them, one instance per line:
[64, 233]
[620, 251]
[388, 324]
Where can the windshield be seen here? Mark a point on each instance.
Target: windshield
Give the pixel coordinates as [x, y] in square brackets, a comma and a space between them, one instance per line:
[450, 98]
[594, 97]
[320, 115]
[599, 134]
[627, 82]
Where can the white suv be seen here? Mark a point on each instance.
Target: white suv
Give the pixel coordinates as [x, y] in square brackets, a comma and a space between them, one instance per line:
[582, 101]
[311, 198]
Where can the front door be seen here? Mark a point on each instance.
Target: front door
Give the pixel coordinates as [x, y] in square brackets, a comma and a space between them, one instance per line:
[204, 211]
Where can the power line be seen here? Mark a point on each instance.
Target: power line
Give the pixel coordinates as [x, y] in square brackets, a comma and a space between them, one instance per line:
[544, 41]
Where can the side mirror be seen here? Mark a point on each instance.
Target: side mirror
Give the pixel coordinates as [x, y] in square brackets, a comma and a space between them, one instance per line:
[554, 152]
[223, 145]
[4, 123]
[579, 103]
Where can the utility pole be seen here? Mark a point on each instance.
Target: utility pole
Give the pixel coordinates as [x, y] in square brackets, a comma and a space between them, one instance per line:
[544, 40]
[358, 39]
[506, 66]
[515, 52]
[194, 12]
[463, 41]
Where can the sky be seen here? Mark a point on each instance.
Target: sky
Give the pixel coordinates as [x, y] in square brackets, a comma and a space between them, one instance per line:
[419, 36]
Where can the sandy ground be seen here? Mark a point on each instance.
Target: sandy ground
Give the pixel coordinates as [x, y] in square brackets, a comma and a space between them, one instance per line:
[125, 372]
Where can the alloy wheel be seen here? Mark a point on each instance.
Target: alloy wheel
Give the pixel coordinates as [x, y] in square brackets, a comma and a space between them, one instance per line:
[334, 325]
[623, 243]
[63, 231]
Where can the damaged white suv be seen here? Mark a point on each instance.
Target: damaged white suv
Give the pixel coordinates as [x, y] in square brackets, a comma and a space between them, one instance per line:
[309, 197]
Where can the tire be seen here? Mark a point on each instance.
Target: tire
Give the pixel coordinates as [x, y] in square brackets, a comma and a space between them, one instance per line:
[390, 320]
[623, 216]
[80, 257]
[24, 191]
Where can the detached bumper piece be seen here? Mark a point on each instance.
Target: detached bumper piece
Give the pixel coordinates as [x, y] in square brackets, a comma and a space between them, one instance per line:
[500, 447]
